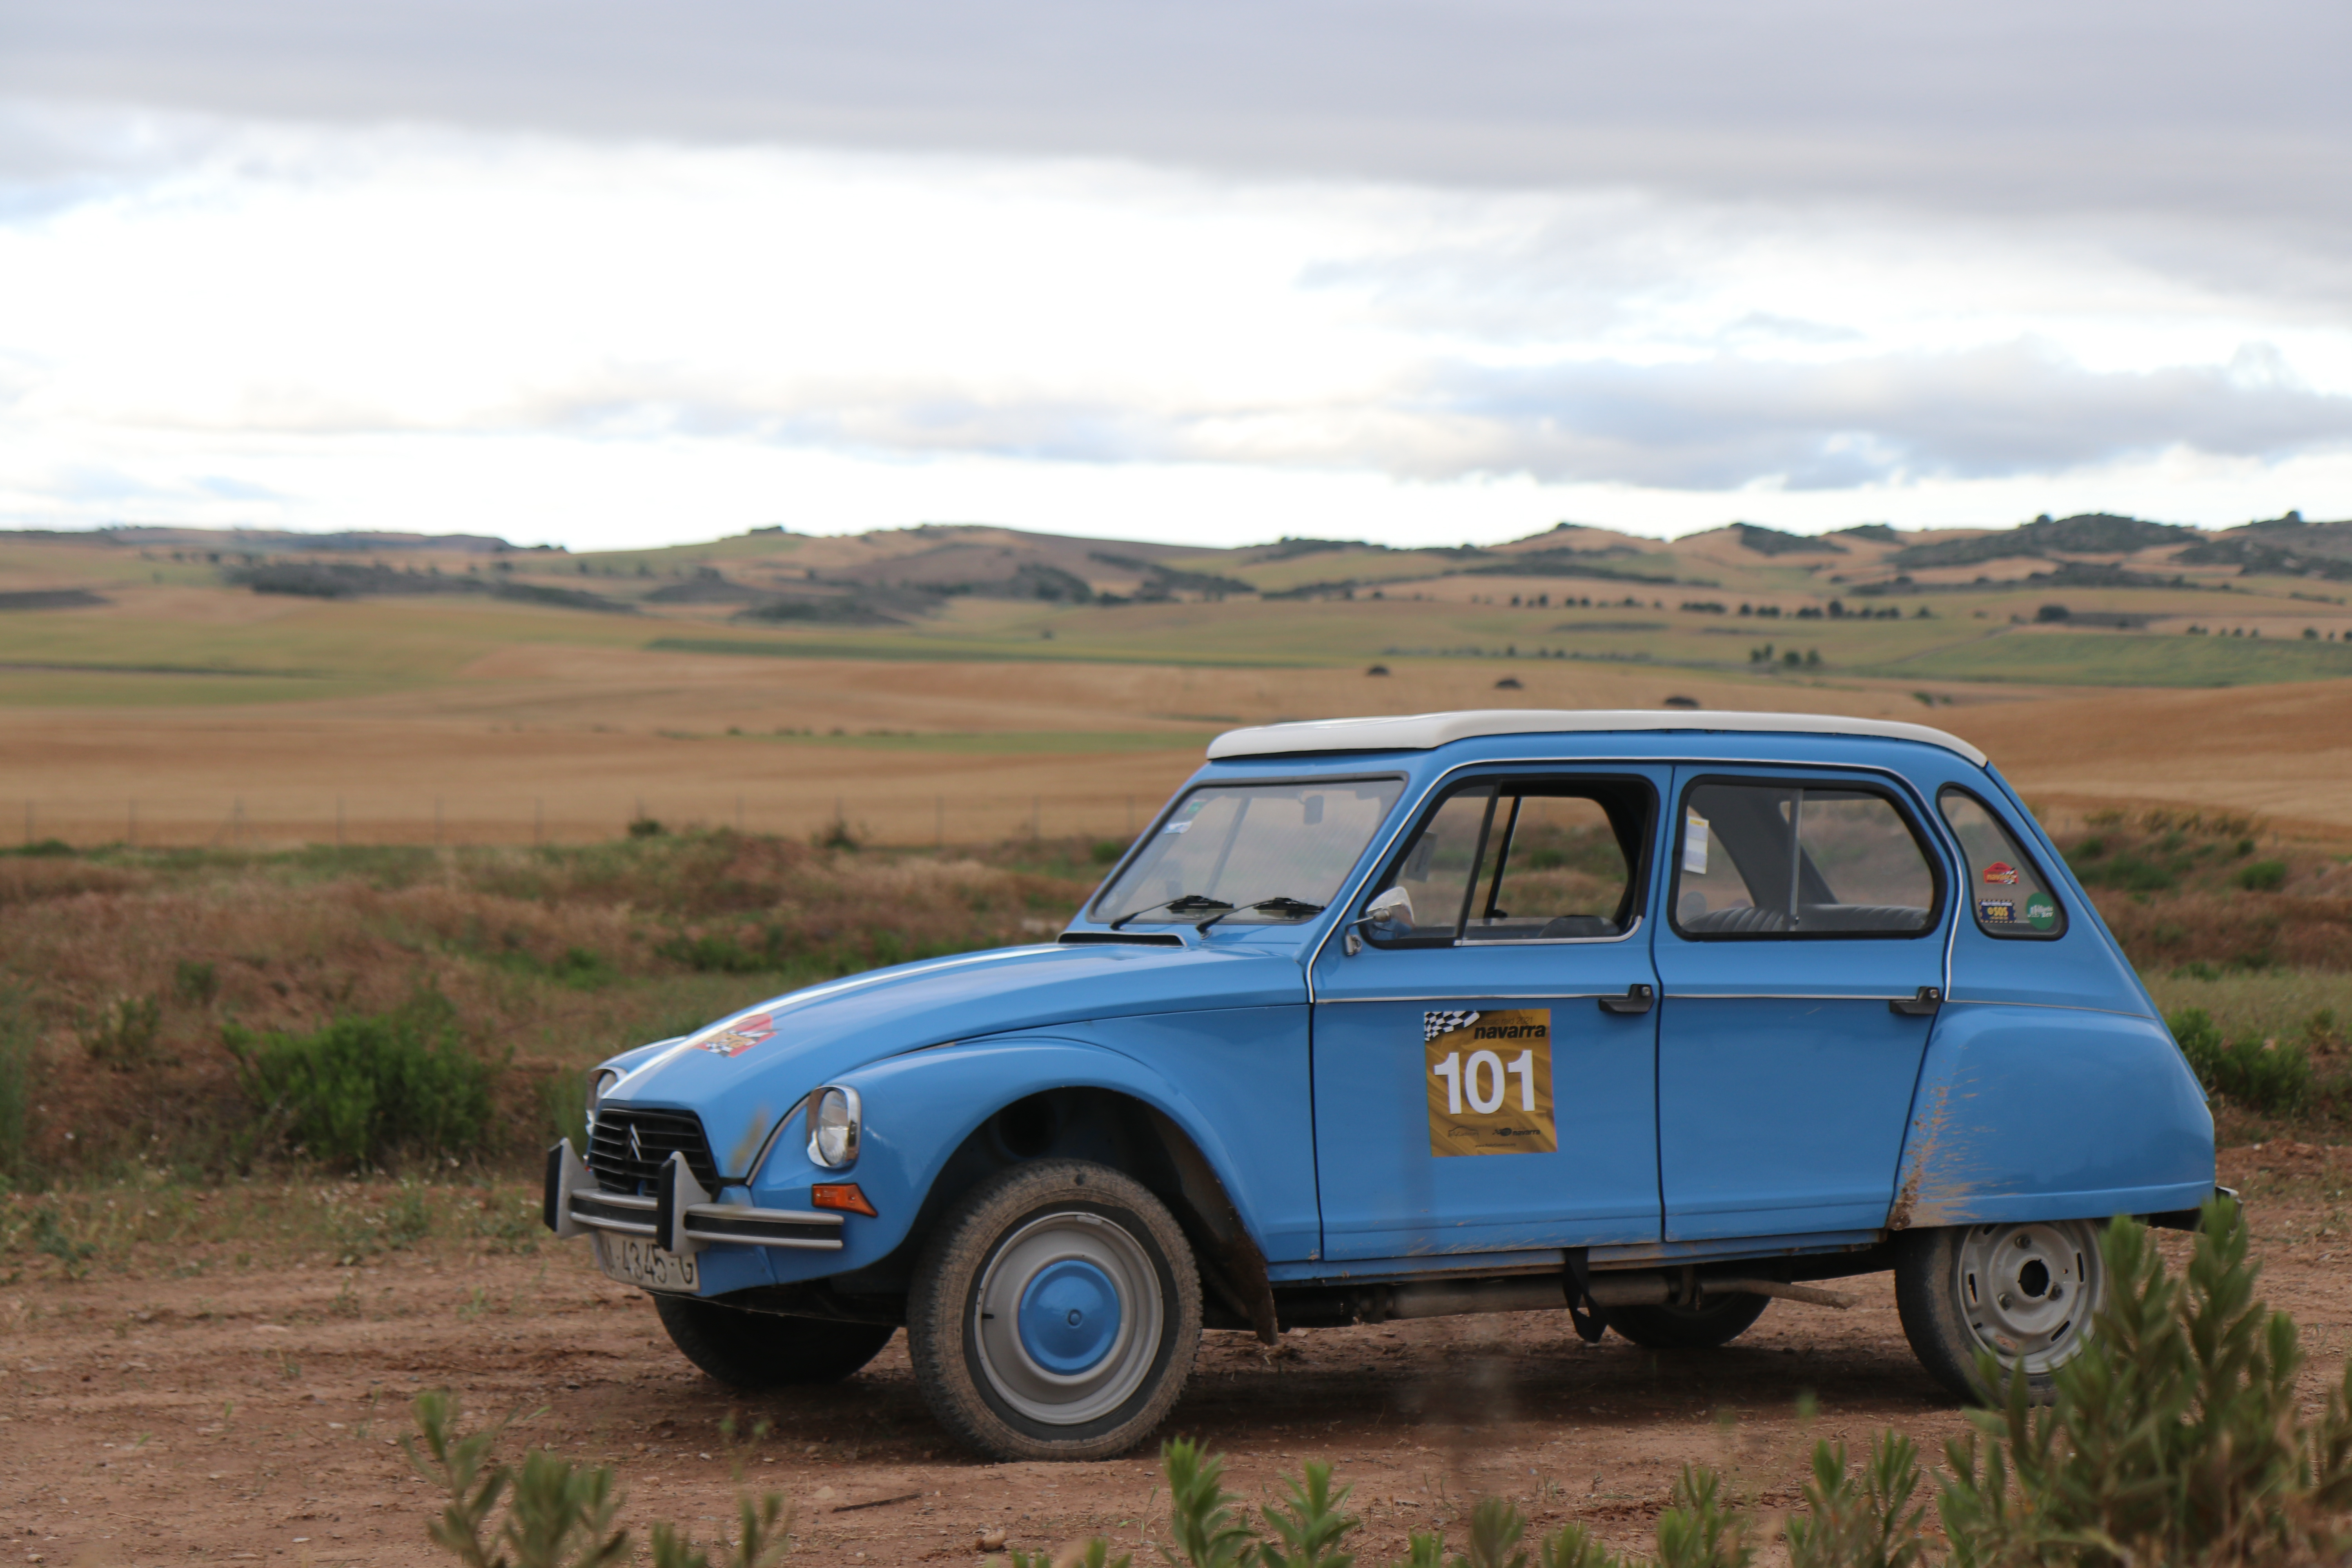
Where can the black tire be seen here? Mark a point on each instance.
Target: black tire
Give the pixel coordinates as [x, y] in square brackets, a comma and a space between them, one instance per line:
[1007, 1373]
[1715, 1321]
[759, 1350]
[2025, 1289]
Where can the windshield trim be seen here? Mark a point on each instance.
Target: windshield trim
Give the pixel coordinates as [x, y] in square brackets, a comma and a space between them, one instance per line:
[1092, 913]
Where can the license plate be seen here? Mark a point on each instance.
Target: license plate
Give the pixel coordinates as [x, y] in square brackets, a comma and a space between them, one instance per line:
[634, 1261]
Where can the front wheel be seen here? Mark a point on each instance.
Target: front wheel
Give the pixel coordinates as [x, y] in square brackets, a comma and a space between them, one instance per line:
[1055, 1314]
[759, 1350]
[2027, 1292]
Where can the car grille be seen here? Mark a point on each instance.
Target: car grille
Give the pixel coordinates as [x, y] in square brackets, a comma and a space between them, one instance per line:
[623, 1163]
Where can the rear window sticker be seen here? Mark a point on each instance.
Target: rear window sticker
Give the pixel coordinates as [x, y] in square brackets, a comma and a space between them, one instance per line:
[2040, 912]
[1997, 911]
[1489, 1081]
[2001, 871]
[1695, 846]
[1176, 827]
[735, 1038]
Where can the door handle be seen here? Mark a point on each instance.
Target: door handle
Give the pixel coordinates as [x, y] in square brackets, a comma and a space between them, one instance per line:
[1637, 999]
[1922, 1005]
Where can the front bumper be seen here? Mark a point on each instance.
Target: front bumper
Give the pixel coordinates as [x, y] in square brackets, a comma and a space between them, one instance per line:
[680, 1216]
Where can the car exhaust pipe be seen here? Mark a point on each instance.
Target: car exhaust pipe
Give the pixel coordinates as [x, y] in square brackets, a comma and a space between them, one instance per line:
[1608, 1290]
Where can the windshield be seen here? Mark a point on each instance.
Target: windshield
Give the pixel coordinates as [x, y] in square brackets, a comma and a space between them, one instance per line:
[1241, 844]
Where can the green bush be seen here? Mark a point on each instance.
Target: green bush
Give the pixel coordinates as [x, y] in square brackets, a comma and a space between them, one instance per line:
[2264, 877]
[360, 1089]
[2272, 1076]
[2178, 1436]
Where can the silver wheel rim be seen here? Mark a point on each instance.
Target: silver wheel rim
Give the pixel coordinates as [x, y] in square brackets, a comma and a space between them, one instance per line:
[1021, 1379]
[2027, 1293]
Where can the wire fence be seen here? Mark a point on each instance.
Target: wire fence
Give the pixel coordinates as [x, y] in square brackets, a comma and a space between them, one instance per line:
[270, 821]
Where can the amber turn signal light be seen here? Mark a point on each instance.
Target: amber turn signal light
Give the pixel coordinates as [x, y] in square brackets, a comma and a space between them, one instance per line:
[842, 1195]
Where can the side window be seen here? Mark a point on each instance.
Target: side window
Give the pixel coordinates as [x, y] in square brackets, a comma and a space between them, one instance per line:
[1538, 860]
[1759, 860]
[1555, 869]
[2006, 893]
[1436, 869]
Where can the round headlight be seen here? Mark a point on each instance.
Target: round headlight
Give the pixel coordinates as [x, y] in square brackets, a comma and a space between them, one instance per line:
[599, 1083]
[832, 1127]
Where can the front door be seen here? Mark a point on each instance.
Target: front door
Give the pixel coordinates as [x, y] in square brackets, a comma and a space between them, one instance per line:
[1485, 1066]
[1802, 964]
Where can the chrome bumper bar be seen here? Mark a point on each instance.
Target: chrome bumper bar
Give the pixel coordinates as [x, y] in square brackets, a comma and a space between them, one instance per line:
[679, 1217]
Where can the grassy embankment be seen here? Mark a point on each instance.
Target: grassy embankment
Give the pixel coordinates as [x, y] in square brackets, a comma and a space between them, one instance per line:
[159, 1004]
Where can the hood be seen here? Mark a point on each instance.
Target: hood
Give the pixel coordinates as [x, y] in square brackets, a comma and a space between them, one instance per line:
[744, 1072]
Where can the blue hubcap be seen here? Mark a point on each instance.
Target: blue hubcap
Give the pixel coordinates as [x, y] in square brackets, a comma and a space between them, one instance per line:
[1069, 1316]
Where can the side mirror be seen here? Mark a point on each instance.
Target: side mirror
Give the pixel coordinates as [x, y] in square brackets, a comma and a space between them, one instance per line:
[1391, 907]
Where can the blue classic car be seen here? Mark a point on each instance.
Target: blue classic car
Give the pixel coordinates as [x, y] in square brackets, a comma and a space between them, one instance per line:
[1646, 1019]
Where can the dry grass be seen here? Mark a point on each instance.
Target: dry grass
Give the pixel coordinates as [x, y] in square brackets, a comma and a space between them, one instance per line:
[553, 959]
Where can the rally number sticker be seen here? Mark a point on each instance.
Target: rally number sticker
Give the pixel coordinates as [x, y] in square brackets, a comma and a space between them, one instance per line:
[1489, 1081]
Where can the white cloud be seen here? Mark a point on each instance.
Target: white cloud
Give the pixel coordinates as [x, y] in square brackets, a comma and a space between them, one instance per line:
[555, 339]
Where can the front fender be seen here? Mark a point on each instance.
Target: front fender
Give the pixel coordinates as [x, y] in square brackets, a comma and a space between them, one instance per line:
[2026, 1114]
[921, 1106]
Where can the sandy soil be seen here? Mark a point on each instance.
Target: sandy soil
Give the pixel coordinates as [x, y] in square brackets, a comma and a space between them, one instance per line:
[160, 1420]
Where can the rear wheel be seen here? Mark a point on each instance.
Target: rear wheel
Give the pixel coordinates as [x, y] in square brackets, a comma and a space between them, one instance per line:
[759, 1350]
[1715, 1321]
[2026, 1292]
[1055, 1315]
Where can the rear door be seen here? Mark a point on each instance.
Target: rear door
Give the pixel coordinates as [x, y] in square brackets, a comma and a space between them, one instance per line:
[1484, 1070]
[1802, 964]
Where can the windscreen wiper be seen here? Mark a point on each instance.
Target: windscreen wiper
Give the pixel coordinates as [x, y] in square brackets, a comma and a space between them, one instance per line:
[1293, 909]
[1182, 904]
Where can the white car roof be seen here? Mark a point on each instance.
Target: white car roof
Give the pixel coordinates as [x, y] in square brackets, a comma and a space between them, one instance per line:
[1423, 732]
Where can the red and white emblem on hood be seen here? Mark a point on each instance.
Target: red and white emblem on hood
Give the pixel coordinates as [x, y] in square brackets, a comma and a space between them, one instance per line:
[732, 1039]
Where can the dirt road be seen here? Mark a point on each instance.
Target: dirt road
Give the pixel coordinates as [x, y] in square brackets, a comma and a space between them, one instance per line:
[249, 1416]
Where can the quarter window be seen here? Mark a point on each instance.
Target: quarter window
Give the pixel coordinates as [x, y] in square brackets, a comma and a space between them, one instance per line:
[1538, 860]
[1758, 859]
[2006, 893]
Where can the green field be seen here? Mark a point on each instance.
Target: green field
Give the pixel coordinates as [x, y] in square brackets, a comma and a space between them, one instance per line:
[2122, 658]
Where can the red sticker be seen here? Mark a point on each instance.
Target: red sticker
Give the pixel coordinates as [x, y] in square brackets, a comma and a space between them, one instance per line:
[738, 1037]
[2001, 871]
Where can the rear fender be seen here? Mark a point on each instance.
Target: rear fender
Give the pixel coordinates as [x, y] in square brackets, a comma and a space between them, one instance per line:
[2027, 1112]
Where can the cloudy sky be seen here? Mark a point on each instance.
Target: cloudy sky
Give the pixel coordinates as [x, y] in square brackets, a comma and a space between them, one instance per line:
[599, 274]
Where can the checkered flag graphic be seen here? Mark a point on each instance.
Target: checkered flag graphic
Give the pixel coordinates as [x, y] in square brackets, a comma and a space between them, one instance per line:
[1436, 1023]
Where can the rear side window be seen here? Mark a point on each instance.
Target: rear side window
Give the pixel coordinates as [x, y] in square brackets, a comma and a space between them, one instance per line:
[1788, 860]
[2007, 892]
[1537, 861]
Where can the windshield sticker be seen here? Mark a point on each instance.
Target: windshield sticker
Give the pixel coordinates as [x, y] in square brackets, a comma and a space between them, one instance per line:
[1695, 846]
[2001, 871]
[2040, 913]
[1176, 827]
[733, 1039]
[1489, 1082]
[1997, 911]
